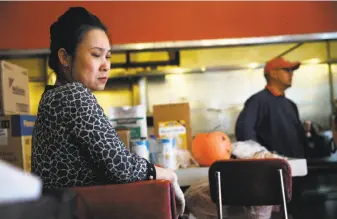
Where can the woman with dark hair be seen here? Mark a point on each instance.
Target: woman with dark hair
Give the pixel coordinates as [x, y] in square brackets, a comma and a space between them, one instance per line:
[73, 141]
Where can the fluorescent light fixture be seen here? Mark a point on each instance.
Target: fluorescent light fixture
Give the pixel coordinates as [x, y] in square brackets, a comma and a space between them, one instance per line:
[176, 70]
[253, 65]
[312, 61]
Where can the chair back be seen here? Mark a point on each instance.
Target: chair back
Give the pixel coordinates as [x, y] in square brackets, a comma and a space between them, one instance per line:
[251, 182]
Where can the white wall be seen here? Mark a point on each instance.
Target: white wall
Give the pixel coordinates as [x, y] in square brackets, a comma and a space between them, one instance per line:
[226, 92]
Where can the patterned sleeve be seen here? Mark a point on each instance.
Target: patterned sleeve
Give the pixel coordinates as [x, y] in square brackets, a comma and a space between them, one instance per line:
[93, 131]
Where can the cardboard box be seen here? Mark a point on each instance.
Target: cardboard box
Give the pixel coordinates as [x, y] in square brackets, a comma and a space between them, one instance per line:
[125, 137]
[173, 120]
[14, 89]
[16, 140]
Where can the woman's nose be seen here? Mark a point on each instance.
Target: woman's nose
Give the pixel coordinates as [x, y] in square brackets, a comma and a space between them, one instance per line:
[106, 66]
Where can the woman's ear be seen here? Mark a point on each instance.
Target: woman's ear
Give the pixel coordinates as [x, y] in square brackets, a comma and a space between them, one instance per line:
[64, 57]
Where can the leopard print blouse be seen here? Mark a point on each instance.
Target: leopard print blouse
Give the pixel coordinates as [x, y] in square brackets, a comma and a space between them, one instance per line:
[74, 144]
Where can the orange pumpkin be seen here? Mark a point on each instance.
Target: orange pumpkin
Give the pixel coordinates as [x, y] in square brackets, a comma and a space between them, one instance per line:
[210, 147]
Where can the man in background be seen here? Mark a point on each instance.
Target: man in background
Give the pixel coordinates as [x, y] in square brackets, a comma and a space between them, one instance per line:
[272, 120]
[269, 117]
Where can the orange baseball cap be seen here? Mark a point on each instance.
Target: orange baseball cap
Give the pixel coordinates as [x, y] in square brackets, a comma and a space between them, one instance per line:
[280, 62]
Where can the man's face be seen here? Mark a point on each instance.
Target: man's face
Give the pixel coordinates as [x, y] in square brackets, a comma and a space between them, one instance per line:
[282, 76]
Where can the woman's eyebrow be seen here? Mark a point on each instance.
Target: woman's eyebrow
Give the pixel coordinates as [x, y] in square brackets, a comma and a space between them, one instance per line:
[102, 49]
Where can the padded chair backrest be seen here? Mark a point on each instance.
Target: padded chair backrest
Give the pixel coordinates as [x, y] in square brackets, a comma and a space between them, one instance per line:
[128, 200]
[251, 182]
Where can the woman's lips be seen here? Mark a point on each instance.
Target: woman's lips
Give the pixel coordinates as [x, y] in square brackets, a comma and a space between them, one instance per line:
[103, 79]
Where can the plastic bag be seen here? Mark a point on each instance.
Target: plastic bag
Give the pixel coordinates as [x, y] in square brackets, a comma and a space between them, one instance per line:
[185, 159]
[199, 203]
[259, 212]
[251, 149]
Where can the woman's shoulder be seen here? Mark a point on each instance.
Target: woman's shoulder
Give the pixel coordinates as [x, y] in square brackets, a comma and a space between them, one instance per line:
[70, 94]
[73, 90]
[76, 86]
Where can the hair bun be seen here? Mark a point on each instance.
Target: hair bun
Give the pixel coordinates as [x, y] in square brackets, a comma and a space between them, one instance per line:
[71, 20]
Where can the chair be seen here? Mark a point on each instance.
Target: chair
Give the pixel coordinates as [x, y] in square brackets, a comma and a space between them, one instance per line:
[153, 199]
[250, 182]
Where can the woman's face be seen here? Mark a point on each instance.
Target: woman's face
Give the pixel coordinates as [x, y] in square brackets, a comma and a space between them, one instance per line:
[91, 65]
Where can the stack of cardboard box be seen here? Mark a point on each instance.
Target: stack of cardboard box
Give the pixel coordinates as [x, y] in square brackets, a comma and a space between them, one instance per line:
[16, 123]
[173, 120]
